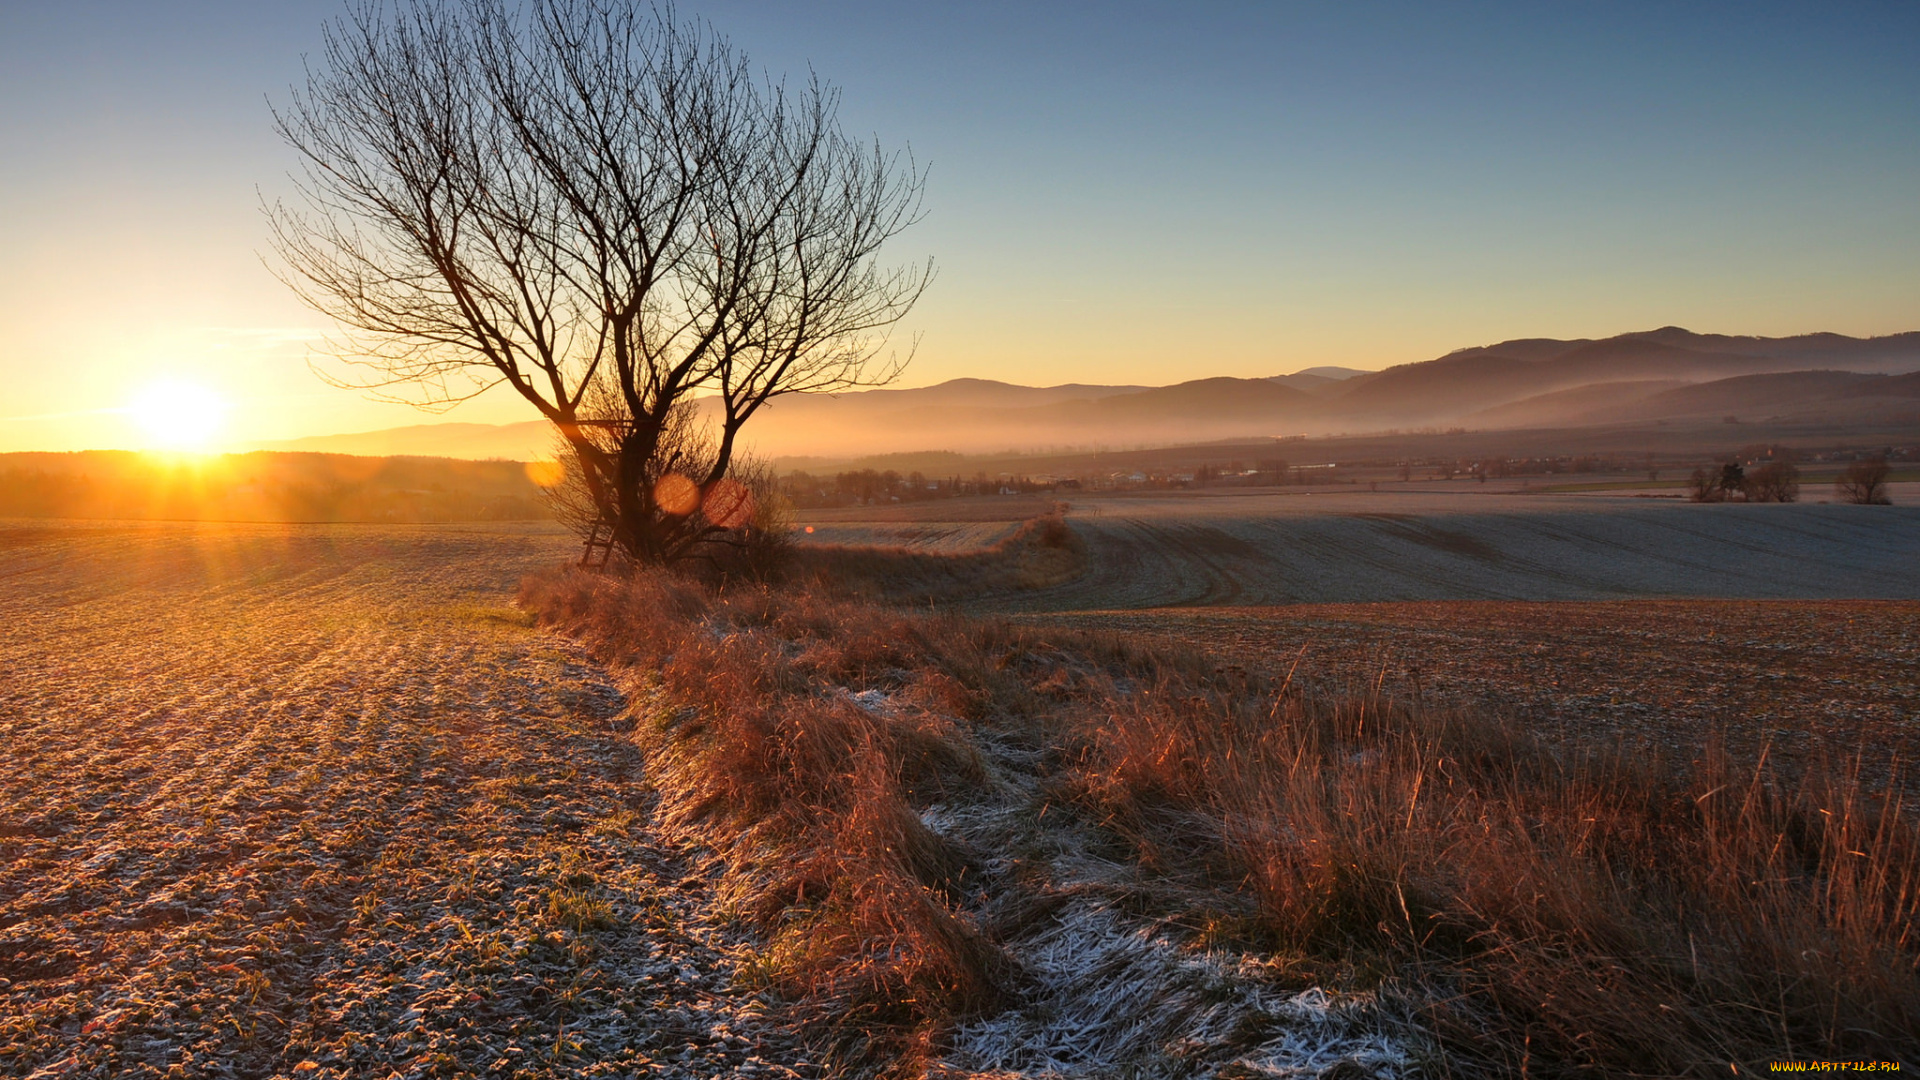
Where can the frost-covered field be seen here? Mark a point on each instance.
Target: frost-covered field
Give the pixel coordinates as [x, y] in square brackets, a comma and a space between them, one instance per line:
[1325, 545]
[314, 801]
[317, 801]
[1225, 547]
[941, 526]
[953, 538]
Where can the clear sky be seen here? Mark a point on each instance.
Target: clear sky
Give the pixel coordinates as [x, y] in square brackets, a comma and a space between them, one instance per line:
[1119, 192]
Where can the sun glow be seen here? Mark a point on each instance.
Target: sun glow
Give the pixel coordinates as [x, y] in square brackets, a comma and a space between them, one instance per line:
[179, 415]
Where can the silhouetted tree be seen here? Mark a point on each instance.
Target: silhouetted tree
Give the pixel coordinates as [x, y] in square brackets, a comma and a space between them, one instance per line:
[604, 209]
[1704, 486]
[1864, 482]
[1776, 481]
[1733, 480]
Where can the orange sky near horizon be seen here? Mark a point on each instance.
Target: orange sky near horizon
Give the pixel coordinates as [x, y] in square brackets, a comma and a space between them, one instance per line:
[1134, 199]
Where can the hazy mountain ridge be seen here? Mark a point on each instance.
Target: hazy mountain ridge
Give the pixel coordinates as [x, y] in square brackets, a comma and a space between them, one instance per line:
[1585, 399]
[1317, 380]
[1487, 377]
[1529, 382]
[527, 440]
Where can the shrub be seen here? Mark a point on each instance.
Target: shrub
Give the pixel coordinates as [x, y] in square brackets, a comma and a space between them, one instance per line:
[761, 550]
[1864, 482]
[1733, 480]
[1776, 481]
[1704, 486]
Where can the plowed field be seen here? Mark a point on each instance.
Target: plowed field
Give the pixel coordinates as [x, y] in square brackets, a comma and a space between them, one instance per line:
[314, 801]
[1840, 678]
[1306, 546]
[317, 801]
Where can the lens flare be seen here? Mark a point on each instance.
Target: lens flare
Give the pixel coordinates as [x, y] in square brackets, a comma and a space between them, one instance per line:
[676, 495]
[546, 474]
[728, 504]
[179, 415]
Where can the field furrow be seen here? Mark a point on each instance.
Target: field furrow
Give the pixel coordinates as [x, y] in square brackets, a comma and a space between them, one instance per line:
[1187, 549]
[315, 800]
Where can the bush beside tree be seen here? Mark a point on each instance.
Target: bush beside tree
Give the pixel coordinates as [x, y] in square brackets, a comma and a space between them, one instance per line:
[1865, 483]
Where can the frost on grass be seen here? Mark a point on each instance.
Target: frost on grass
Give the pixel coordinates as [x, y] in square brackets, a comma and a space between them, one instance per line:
[885, 821]
[312, 802]
[1107, 990]
[1112, 991]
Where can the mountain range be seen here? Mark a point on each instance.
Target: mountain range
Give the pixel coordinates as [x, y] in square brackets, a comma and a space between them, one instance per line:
[1660, 375]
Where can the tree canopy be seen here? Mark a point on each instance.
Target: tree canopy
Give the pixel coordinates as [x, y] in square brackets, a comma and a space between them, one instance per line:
[604, 208]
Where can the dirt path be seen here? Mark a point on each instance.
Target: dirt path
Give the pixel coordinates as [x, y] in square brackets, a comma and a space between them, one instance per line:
[315, 801]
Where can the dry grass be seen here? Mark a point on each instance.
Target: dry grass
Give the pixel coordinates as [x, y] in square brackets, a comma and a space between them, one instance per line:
[1552, 912]
[1808, 679]
[760, 753]
[1541, 910]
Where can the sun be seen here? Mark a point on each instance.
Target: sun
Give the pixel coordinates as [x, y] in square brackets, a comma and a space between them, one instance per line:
[179, 415]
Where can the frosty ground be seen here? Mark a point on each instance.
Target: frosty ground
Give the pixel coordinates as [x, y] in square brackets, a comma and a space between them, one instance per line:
[312, 801]
[1254, 546]
[316, 800]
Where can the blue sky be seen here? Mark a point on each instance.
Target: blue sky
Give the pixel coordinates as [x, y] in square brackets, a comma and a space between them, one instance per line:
[1117, 193]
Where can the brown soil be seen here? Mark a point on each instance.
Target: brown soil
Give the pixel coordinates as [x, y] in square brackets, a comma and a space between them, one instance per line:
[315, 801]
[1803, 676]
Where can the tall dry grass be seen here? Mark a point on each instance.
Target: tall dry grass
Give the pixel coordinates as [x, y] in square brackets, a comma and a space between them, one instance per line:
[1552, 911]
[1543, 910]
[761, 752]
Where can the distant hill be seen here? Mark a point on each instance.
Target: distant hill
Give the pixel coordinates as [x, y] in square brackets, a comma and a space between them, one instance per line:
[1317, 379]
[1654, 374]
[527, 441]
[263, 486]
[1200, 401]
[1793, 396]
[1440, 388]
[1889, 353]
[1474, 381]
[1789, 396]
[951, 417]
[968, 393]
[1563, 407]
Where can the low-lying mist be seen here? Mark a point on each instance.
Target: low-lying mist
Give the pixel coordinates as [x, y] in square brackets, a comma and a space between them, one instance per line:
[265, 487]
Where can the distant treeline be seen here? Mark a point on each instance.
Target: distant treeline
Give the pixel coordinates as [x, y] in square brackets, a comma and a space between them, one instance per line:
[265, 486]
[863, 487]
[1184, 468]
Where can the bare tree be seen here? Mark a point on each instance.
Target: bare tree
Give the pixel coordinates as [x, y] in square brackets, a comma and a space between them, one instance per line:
[1776, 481]
[1864, 482]
[604, 209]
[1704, 486]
